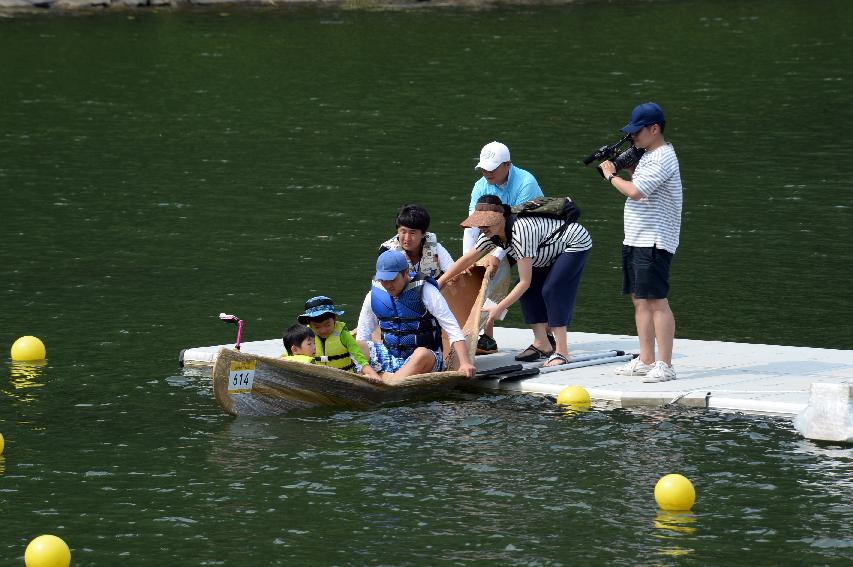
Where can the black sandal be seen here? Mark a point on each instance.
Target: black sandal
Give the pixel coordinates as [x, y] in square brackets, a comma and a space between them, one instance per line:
[532, 353]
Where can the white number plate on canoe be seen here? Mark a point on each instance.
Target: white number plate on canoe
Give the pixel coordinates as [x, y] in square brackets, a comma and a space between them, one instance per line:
[240, 377]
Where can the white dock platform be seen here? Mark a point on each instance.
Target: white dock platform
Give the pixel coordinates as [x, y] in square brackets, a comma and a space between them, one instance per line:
[760, 379]
[743, 377]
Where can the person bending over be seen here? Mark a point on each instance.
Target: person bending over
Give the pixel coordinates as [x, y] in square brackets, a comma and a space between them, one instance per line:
[550, 254]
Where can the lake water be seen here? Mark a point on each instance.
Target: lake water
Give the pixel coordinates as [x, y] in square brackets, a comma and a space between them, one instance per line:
[157, 168]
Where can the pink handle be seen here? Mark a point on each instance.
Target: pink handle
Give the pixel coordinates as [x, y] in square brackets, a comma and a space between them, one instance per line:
[239, 333]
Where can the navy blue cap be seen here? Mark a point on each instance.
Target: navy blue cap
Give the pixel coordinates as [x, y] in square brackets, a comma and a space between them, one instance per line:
[644, 114]
[389, 264]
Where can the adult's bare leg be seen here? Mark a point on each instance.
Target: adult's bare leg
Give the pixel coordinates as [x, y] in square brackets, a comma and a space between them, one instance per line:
[644, 318]
[560, 333]
[540, 336]
[421, 362]
[664, 328]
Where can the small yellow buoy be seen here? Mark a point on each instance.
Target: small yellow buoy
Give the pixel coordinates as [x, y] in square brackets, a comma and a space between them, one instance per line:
[2, 443]
[674, 492]
[47, 551]
[28, 348]
[574, 396]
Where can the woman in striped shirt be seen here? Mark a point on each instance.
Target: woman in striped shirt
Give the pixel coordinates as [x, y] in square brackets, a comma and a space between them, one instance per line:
[550, 255]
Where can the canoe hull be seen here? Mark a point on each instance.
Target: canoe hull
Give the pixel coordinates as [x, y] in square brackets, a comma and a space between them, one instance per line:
[248, 384]
[253, 385]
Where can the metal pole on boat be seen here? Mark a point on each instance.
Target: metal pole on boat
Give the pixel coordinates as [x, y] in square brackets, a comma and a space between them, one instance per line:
[237, 321]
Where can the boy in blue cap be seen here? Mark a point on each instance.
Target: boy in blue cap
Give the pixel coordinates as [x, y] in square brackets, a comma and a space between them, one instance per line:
[334, 345]
[411, 313]
[652, 229]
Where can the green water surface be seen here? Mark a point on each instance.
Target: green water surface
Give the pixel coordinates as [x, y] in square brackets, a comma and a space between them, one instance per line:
[158, 167]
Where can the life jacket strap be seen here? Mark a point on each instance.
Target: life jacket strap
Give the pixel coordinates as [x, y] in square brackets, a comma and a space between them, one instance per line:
[331, 358]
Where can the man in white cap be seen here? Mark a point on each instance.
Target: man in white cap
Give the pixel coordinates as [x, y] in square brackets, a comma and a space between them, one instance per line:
[513, 186]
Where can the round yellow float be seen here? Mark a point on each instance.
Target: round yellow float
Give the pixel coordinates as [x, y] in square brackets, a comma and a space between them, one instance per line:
[47, 551]
[27, 349]
[574, 396]
[674, 492]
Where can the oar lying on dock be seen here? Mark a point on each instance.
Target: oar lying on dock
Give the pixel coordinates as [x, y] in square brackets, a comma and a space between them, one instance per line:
[519, 371]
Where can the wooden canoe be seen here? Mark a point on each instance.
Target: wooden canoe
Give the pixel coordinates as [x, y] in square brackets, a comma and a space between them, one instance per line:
[251, 385]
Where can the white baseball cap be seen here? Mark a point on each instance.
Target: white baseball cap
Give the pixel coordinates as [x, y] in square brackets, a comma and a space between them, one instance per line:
[492, 155]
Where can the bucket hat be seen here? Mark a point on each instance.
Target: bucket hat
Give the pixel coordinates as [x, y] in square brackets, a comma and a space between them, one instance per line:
[317, 306]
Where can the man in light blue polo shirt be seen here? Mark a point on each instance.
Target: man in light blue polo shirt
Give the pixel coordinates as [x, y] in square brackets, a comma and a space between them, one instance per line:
[509, 182]
[513, 186]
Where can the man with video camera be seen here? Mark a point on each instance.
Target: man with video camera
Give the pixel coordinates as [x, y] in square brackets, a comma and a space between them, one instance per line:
[652, 221]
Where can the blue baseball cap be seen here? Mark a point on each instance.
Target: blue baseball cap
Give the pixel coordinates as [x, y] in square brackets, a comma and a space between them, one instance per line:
[317, 306]
[643, 115]
[389, 264]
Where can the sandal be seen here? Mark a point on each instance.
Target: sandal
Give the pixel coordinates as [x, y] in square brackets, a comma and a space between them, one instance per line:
[556, 356]
[532, 353]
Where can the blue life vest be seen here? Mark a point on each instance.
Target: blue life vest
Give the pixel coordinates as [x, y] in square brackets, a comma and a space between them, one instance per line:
[405, 322]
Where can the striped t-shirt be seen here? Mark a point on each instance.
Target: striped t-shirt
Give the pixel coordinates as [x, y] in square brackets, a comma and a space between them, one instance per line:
[528, 233]
[655, 220]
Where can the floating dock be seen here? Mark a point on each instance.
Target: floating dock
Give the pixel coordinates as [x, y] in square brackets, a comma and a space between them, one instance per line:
[749, 378]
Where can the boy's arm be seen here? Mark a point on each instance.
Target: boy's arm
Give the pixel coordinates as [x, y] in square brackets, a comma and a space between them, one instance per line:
[349, 342]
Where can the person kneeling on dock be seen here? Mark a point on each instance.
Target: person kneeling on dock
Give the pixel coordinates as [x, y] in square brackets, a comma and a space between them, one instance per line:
[299, 344]
[411, 313]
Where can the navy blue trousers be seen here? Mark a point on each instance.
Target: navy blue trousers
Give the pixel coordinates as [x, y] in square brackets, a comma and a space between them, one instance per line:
[553, 290]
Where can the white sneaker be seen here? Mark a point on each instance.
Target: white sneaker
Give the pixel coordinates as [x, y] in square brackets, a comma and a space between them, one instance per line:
[635, 367]
[660, 372]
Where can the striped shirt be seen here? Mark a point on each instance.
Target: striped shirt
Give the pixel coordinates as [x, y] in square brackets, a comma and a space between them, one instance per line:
[528, 233]
[655, 220]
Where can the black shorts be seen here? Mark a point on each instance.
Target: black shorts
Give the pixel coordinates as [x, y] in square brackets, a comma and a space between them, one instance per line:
[645, 272]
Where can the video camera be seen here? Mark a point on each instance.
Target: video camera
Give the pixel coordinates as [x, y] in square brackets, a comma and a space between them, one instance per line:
[621, 158]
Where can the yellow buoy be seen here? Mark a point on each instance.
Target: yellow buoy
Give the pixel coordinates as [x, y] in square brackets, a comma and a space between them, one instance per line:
[674, 492]
[28, 348]
[574, 396]
[47, 551]
[2, 443]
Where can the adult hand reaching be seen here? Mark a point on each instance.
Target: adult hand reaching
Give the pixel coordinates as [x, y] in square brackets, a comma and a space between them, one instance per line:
[467, 369]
